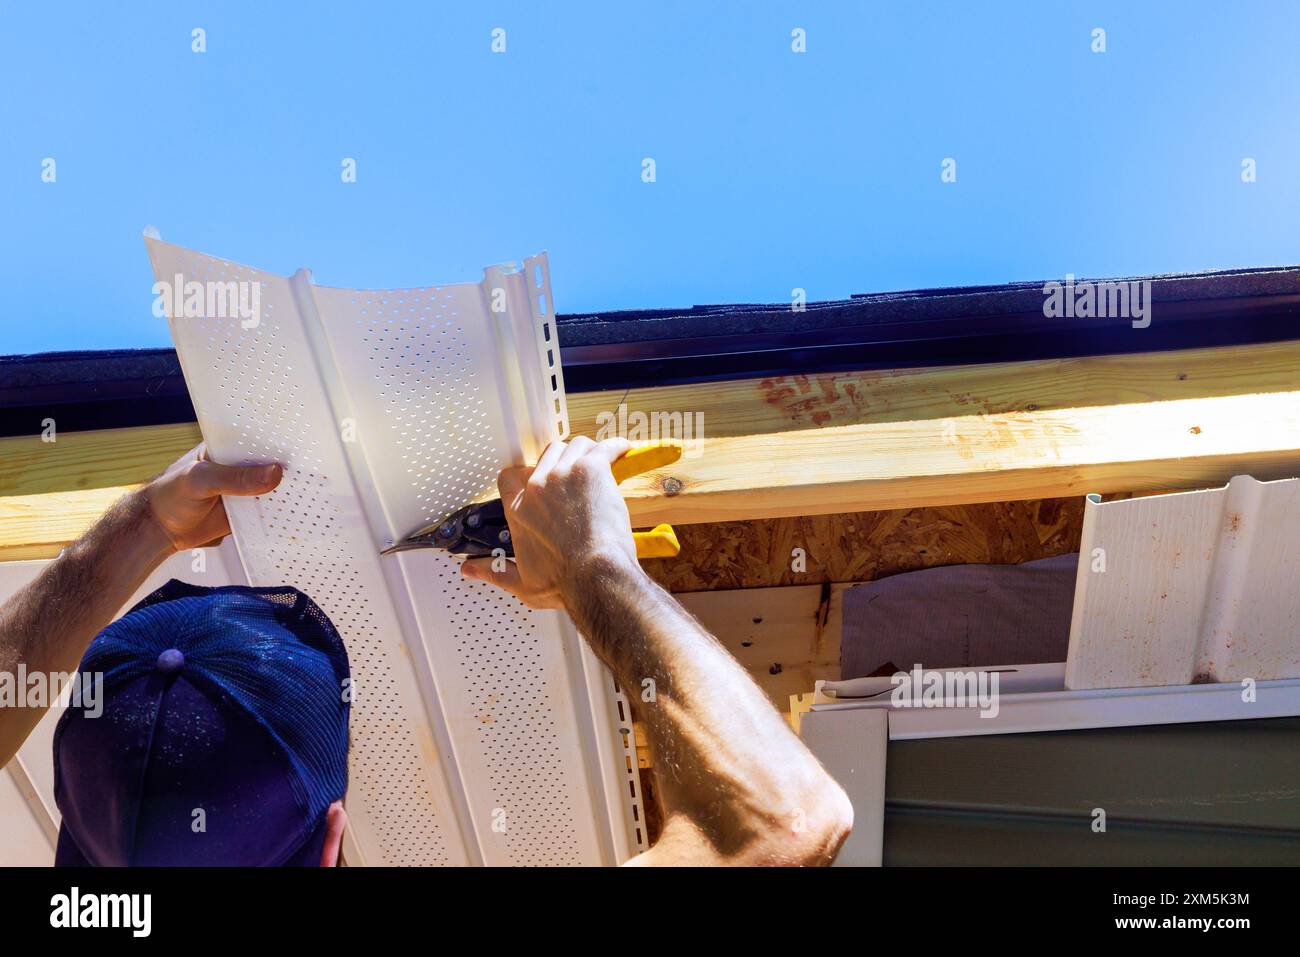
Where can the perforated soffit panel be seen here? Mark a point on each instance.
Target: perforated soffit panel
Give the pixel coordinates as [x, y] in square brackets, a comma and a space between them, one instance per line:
[482, 731]
[1188, 587]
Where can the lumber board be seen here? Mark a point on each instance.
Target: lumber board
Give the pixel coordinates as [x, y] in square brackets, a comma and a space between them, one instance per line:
[741, 407]
[1177, 444]
[40, 526]
[1158, 446]
[761, 406]
[103, 458]
[853, 442]
[786, 638]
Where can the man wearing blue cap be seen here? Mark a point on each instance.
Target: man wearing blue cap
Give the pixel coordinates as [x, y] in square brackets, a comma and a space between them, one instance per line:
[224, 737]
[224, 740]
[47, 625]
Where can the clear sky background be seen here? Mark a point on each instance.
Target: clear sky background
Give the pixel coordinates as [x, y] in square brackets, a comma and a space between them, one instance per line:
[775, 170]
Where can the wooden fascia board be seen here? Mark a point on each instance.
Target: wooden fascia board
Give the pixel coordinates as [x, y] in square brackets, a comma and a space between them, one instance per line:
[743, 407]
[804, 445]
[1132, 447]
[748, 407]
[39, 526]
[76, 461]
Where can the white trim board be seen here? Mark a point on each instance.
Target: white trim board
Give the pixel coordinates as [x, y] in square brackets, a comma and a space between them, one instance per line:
[851, 746]
[482, 732]
[1056, 709]
[1192, 586]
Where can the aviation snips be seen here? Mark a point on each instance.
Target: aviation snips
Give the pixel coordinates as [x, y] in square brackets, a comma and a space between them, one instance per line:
[480, 530]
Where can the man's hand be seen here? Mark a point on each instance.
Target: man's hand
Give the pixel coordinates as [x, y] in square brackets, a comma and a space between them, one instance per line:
[47, 624]
[566, 515]
[737, 786]
[185, 501]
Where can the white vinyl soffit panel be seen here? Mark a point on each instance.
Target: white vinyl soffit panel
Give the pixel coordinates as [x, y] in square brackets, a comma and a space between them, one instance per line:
[1186, 588]
[482, 732]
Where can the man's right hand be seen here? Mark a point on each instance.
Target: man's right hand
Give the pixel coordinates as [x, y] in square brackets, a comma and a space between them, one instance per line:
[737, 786]
[566, 517]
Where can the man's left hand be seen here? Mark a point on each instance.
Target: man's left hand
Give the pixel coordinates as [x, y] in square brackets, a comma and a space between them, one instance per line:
[185, 501]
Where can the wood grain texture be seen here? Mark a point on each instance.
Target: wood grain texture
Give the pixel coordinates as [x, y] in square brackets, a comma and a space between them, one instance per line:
[1184, 443]
[749, 407]
[39, 526]
[786, 638]
[781, 404]
[845, 443]
[91, 460]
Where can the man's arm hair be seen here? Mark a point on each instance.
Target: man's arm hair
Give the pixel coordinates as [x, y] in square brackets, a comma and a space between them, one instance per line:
[738, 786]
[48, 623]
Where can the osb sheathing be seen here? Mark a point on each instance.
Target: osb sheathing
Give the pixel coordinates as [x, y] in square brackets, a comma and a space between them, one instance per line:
[862, 546]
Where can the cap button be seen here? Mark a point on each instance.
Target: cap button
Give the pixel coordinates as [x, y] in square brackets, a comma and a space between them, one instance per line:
[171, 661]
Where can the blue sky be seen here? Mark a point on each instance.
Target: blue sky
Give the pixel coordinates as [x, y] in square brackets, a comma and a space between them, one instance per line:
[774, 169]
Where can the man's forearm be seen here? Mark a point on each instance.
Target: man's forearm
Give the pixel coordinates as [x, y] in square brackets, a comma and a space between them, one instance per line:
[754, 791]
[47, 625]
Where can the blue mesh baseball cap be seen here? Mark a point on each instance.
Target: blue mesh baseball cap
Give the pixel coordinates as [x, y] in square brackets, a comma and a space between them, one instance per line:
[223, 736]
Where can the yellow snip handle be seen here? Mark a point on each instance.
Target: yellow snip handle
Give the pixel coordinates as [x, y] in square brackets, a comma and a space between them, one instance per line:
[645, 458]
[660, 541]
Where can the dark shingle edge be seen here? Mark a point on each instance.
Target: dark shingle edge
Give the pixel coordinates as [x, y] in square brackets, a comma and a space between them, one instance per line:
[629, 348]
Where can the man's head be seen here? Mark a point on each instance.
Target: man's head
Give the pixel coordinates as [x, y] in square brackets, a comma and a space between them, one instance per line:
[223, 738]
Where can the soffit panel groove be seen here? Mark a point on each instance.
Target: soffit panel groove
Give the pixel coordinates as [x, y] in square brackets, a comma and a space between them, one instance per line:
[390, 409]
[1192, 587]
